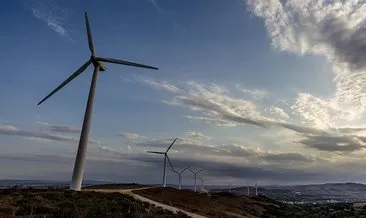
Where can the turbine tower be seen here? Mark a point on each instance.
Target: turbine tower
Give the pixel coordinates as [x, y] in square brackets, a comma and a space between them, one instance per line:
[166, 157]
[97, 62]
[195, 178]
[256, 189]
[179, 174]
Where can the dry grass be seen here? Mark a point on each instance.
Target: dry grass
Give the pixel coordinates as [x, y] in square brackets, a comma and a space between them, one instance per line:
[116, 186]
[218, 205]
[65, 203]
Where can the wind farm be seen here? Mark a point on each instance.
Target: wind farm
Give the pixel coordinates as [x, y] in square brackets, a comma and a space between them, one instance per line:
[223, 109]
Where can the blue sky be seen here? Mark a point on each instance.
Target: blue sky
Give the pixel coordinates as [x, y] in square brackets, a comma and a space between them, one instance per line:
[247, 86]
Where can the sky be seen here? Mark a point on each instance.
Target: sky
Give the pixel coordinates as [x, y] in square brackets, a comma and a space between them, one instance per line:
[266, 91]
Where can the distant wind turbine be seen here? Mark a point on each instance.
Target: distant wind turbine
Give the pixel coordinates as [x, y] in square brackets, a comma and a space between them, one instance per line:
[256, 189]
[179, 174]
[230, 187]
[195, 178]
[166, 157]
[202, 181]
[97, 62]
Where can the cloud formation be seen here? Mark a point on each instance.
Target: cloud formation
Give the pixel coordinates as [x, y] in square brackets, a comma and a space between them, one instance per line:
[12, 130]
[52, 15]
[334, 29]
[130, 136]
[59, 128]
[198, 135]
[217, 107]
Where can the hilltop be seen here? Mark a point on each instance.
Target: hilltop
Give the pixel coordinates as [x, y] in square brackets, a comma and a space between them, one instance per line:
[64, 203]
[224, 204]
[57, 202]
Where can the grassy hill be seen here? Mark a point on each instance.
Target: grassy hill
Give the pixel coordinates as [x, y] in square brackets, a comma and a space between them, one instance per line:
[65, 203]
[223, 204]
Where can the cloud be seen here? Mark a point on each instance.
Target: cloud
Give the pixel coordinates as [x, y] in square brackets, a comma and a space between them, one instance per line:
[231, 160]
[198, 135]
[334, 143]
[163, 85]
[278, 112]
[130, 136]
[255, 94]
[319, 113]
[12, 130]
[52, 15]
[333, 29]
[59, 128]
[217, 107]
[233, 153]
[156, 6]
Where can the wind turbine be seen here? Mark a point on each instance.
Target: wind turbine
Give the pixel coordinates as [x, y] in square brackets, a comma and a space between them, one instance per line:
[179, 174]
[231, 187]
[97, 62]
[195, 177]
[202, 181]
[166, 157]
[256, 189]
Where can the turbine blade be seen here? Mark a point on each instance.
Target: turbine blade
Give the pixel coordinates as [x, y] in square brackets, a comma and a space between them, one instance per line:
[88, 31]
[155, 152]
[171, 145]
[116, 61]
[184, 170]
[199, 171]
[170, 163]
[174, 171]
[64, 83]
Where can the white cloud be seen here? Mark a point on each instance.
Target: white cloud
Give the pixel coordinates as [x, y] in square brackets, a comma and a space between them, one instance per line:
[255, 94]
[334, 29]
[198, 135]
[53, 16]
[156, 5]
[59, 128]
[130, 136]
[163, 85]
[278, 112]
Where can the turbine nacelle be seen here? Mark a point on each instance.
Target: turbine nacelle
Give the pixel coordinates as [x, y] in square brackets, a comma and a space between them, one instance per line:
[101, 65]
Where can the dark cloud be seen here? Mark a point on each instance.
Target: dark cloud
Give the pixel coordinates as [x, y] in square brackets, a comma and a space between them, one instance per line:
[333, 143]
[348, 42]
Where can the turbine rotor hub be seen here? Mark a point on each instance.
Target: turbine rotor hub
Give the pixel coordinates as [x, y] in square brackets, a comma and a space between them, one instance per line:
[99, 64]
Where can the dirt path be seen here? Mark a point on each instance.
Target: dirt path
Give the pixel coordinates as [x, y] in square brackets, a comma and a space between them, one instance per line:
[141, 198]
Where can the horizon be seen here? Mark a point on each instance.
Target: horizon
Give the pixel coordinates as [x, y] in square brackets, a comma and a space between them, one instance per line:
[96, 182]
[254, 90]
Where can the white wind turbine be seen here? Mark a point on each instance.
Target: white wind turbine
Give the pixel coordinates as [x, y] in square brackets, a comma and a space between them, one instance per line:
[97, 62]
[195, 177]
[166, 157]
[202, 183]
[179, 175]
